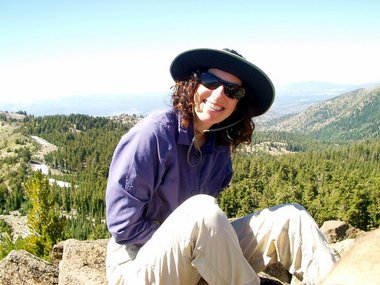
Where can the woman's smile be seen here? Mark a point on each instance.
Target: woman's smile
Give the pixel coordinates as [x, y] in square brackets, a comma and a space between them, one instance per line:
[212, 105]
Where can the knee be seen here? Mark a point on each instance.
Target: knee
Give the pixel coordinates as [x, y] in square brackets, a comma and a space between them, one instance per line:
[201, 203]
[205, 209]
[292, 211]
[201, 200]
[295, 208]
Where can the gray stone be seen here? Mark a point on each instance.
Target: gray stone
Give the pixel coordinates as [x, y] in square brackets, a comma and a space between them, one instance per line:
[83, 262]
[22, 268]
[360, 265]
[336, 230]
[278, 271]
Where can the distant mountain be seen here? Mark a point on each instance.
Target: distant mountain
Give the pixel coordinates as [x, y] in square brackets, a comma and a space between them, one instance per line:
[296, 97]
[95, 105]
[350, 116]
[290, 99]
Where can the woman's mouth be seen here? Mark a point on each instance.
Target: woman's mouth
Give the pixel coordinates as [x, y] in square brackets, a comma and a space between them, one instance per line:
[212, 106]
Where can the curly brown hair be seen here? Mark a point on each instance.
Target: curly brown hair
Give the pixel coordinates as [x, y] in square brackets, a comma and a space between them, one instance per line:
[233, 131]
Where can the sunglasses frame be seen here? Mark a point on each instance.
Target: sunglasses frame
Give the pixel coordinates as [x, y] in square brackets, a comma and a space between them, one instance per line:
[212, 82]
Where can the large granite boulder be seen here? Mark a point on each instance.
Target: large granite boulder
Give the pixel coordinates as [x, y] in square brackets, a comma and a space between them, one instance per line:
[83, 262]
[336, 231]
[22, 268]
[360, 265]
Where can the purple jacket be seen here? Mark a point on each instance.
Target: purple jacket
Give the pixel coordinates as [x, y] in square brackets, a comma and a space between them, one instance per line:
[150, 175]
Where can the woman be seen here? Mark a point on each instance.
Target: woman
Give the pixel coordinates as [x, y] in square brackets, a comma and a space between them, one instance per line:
[167, 170]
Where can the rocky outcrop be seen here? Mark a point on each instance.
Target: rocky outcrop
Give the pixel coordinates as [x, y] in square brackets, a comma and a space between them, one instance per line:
[360, 265]
[336, 231]
[20, 268]
[83, 262]
[340, 235]
[74, 263]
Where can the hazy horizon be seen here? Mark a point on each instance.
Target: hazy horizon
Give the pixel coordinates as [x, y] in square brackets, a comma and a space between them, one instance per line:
[290, 98]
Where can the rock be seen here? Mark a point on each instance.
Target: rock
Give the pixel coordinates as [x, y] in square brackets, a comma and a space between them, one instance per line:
[20, 268]
[335, 231]
[57, 252]
[83, 262]
[269, 281]
[360, 265]
[278, 271]
[342, 247]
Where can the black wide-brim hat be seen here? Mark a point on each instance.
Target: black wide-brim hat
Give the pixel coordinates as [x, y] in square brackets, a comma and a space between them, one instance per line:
[257, 84]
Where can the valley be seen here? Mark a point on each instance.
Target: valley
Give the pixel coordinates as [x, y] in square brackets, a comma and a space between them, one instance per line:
[333, 176]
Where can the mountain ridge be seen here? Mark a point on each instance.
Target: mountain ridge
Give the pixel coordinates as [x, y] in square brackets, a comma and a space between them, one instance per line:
[352, 115]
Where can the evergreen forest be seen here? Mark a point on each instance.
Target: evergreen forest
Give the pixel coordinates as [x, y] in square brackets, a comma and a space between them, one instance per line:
[339, 180]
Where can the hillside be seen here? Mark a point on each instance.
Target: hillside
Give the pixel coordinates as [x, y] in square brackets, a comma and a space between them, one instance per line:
[308, 172]
[351, 116]
[15, 150]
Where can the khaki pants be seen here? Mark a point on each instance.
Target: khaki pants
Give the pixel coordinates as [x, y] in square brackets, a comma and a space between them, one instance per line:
[197, 240]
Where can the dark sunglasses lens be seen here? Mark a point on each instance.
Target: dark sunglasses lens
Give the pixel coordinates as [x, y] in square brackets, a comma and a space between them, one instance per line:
[234, 92]
[210, 81]
[230, 91]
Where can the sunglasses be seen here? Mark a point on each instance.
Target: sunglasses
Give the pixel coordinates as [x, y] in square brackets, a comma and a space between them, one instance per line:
[210, 81]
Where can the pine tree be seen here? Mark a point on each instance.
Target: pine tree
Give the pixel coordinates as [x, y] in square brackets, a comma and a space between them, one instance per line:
[44, 219]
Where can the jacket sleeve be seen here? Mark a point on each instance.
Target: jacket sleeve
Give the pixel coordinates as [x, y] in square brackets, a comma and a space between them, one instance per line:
[134, 173]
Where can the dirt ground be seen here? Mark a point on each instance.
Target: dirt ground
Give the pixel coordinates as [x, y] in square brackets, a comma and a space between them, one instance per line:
[18, 224]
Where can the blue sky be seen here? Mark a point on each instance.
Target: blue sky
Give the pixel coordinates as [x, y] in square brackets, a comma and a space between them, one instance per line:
[70, 48]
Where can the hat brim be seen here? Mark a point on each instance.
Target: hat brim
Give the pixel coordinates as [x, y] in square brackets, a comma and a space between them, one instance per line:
[257, 84]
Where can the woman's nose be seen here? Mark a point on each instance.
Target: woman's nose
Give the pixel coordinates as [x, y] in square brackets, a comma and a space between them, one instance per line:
[218, 92]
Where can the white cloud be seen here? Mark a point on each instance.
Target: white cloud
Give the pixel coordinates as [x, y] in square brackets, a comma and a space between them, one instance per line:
[108, 73]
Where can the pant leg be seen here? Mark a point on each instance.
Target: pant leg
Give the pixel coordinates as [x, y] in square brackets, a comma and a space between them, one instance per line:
[289, 235]
[195, 241]
[119, 263]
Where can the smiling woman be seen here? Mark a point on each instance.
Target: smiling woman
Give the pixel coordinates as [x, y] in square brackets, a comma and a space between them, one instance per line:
[167, 171]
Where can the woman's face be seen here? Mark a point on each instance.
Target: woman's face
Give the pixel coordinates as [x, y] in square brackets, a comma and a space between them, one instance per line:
[213, 106]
